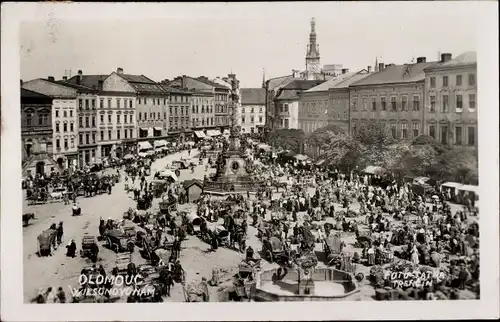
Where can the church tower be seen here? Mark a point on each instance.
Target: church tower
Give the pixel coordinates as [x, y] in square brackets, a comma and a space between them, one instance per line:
[312, 56]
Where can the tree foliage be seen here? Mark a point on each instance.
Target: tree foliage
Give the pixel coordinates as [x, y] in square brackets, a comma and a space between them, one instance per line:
[288, 139]
[374, 134]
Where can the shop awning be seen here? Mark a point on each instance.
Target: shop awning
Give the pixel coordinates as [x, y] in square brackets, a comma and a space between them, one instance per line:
[468, 187]
[160, 143]
[200, 134]
[217, 133]
[144, 145]
[320, 162]
[301, 157]
[264, 146]
[371, 169]
[213, 133]
[157, 128]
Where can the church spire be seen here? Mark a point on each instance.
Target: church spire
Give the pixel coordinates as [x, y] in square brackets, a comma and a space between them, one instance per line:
[313, 48]
[263, 78]
[376, 64]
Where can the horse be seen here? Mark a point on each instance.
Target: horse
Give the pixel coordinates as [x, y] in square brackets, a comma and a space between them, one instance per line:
[27, 217]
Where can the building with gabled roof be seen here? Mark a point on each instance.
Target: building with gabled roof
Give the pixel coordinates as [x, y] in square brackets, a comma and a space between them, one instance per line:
[328, 103]
[253, 110]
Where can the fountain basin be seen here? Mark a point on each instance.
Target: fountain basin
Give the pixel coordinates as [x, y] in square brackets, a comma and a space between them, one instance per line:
[327, 284]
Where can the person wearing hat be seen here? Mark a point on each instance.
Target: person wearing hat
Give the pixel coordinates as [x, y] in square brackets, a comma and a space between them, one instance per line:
[71, 249]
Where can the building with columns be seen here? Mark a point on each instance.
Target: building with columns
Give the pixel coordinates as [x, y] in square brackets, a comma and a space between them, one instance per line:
[450, 113]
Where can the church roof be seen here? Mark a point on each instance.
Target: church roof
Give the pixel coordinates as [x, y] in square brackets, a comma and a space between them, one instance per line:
[253, 96]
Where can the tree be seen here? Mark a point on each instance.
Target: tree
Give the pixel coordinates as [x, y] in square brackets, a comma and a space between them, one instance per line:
[343, 151]
[460, 166]
[322, 137]
[288, 139]
[374, 134]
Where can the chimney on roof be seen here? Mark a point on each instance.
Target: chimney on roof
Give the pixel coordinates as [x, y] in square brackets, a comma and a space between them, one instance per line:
[381, 67]
[345, 70]
[99, 84]
[79, 77]
[369, 69]
[65, 78]
[119, 71]
[421, 60]
[445, 57]
[51, 78]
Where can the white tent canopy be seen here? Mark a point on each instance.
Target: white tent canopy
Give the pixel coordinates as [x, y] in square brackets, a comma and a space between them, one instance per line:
[145, 145]
[160, 143]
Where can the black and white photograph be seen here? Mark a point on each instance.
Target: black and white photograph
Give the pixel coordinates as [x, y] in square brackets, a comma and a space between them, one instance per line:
[228, 153]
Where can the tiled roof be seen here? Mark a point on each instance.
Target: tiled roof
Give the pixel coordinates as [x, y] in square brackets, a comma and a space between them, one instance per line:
[26, 93]
[150, 87]
[330, 83]
[173, 90]
[351, 80]
[91, 81]
[407, 73]
[303, 85]
[253, 96]
[273, 83]
[467, 58]
[137, 78]
[288, 94]
[75, 86]
[209, 82]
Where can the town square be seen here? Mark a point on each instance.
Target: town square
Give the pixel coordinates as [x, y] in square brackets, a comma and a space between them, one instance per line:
[329, 183]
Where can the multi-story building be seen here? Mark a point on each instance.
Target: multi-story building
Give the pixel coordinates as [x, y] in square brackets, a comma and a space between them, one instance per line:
[328, 103]
[253, 110]
[151, 104]
[64, 118]
[394, 95]
[202, 112]
[450, 91]
[36, 133]
[179, 108]
[222, 99]
[117, 116]
[189, 84]
[89, 87]
[287, 103]
[272, 86]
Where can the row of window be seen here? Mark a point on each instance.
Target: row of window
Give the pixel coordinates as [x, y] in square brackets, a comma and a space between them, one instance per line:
[404, 106]
[66, 145]
[65, 113]
[457, 134]
[202, 101]
[252, 109]
[65, 127]
[445, 103]
[152, 116]
[208, 109]
[43, 119]
[252, 119]
[91, 120]
[401, 134]
[221, 109]
[91, 138]
[458, 80]
[196, 122]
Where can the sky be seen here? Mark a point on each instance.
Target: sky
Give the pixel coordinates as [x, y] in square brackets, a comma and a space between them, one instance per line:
[167, 40]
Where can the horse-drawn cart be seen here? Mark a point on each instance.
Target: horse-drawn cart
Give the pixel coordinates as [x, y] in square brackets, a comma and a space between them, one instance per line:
[88, 247]
[46, 242]
[124, 265]
[118, 241]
